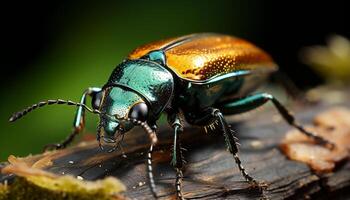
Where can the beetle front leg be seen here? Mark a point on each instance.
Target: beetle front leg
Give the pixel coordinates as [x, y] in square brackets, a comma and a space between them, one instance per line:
[177, 157]
[251, 102]
[79, 119]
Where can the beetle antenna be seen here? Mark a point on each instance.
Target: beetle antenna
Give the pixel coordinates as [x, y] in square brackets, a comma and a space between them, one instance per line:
[152, 135]
[20, 114]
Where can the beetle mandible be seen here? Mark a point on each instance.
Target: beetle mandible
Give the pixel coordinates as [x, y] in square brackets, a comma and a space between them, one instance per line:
[198, 78]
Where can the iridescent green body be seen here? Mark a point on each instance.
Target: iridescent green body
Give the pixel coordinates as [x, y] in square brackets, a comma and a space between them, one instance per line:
[148, 72]
[160, 88]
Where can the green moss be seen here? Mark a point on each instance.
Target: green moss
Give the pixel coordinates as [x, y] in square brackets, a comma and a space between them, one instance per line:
[23, 189]
[3, 192]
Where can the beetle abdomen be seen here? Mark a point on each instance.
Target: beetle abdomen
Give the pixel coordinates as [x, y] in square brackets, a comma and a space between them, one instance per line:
[200, 57]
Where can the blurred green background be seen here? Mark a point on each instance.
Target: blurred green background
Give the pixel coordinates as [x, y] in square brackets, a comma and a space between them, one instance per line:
[56, 50]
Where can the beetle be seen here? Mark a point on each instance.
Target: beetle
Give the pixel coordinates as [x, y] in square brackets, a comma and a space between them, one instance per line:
[197, 78]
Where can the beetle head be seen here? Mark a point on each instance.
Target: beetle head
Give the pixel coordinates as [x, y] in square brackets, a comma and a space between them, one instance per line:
[122, 108]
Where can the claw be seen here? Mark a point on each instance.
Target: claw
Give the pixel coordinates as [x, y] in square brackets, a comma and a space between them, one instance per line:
[329, 145]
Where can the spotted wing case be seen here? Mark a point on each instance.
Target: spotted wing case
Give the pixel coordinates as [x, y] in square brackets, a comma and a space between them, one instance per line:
[201, 57]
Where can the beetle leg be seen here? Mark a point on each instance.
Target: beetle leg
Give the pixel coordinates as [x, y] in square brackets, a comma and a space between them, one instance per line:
[289, 87]
[231, 142]
[177, 157]
[212, 115]
[79, 120]
[64, 143]
[251, 102]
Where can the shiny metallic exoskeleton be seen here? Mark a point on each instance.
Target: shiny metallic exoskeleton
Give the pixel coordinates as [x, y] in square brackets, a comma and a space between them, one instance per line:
[196, 78]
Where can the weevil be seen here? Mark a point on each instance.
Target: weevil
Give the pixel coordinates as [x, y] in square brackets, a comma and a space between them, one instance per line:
[196, 78]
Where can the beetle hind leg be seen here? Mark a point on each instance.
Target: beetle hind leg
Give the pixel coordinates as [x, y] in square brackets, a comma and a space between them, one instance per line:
[254, 101]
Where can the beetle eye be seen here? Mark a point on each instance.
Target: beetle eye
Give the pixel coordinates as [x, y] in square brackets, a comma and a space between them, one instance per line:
[139, 111]
[96, 100]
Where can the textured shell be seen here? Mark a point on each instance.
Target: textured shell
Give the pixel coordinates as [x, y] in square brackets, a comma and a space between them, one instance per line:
[200, 57]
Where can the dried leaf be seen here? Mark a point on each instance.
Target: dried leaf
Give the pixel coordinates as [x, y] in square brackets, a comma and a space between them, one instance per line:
[333, 125]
